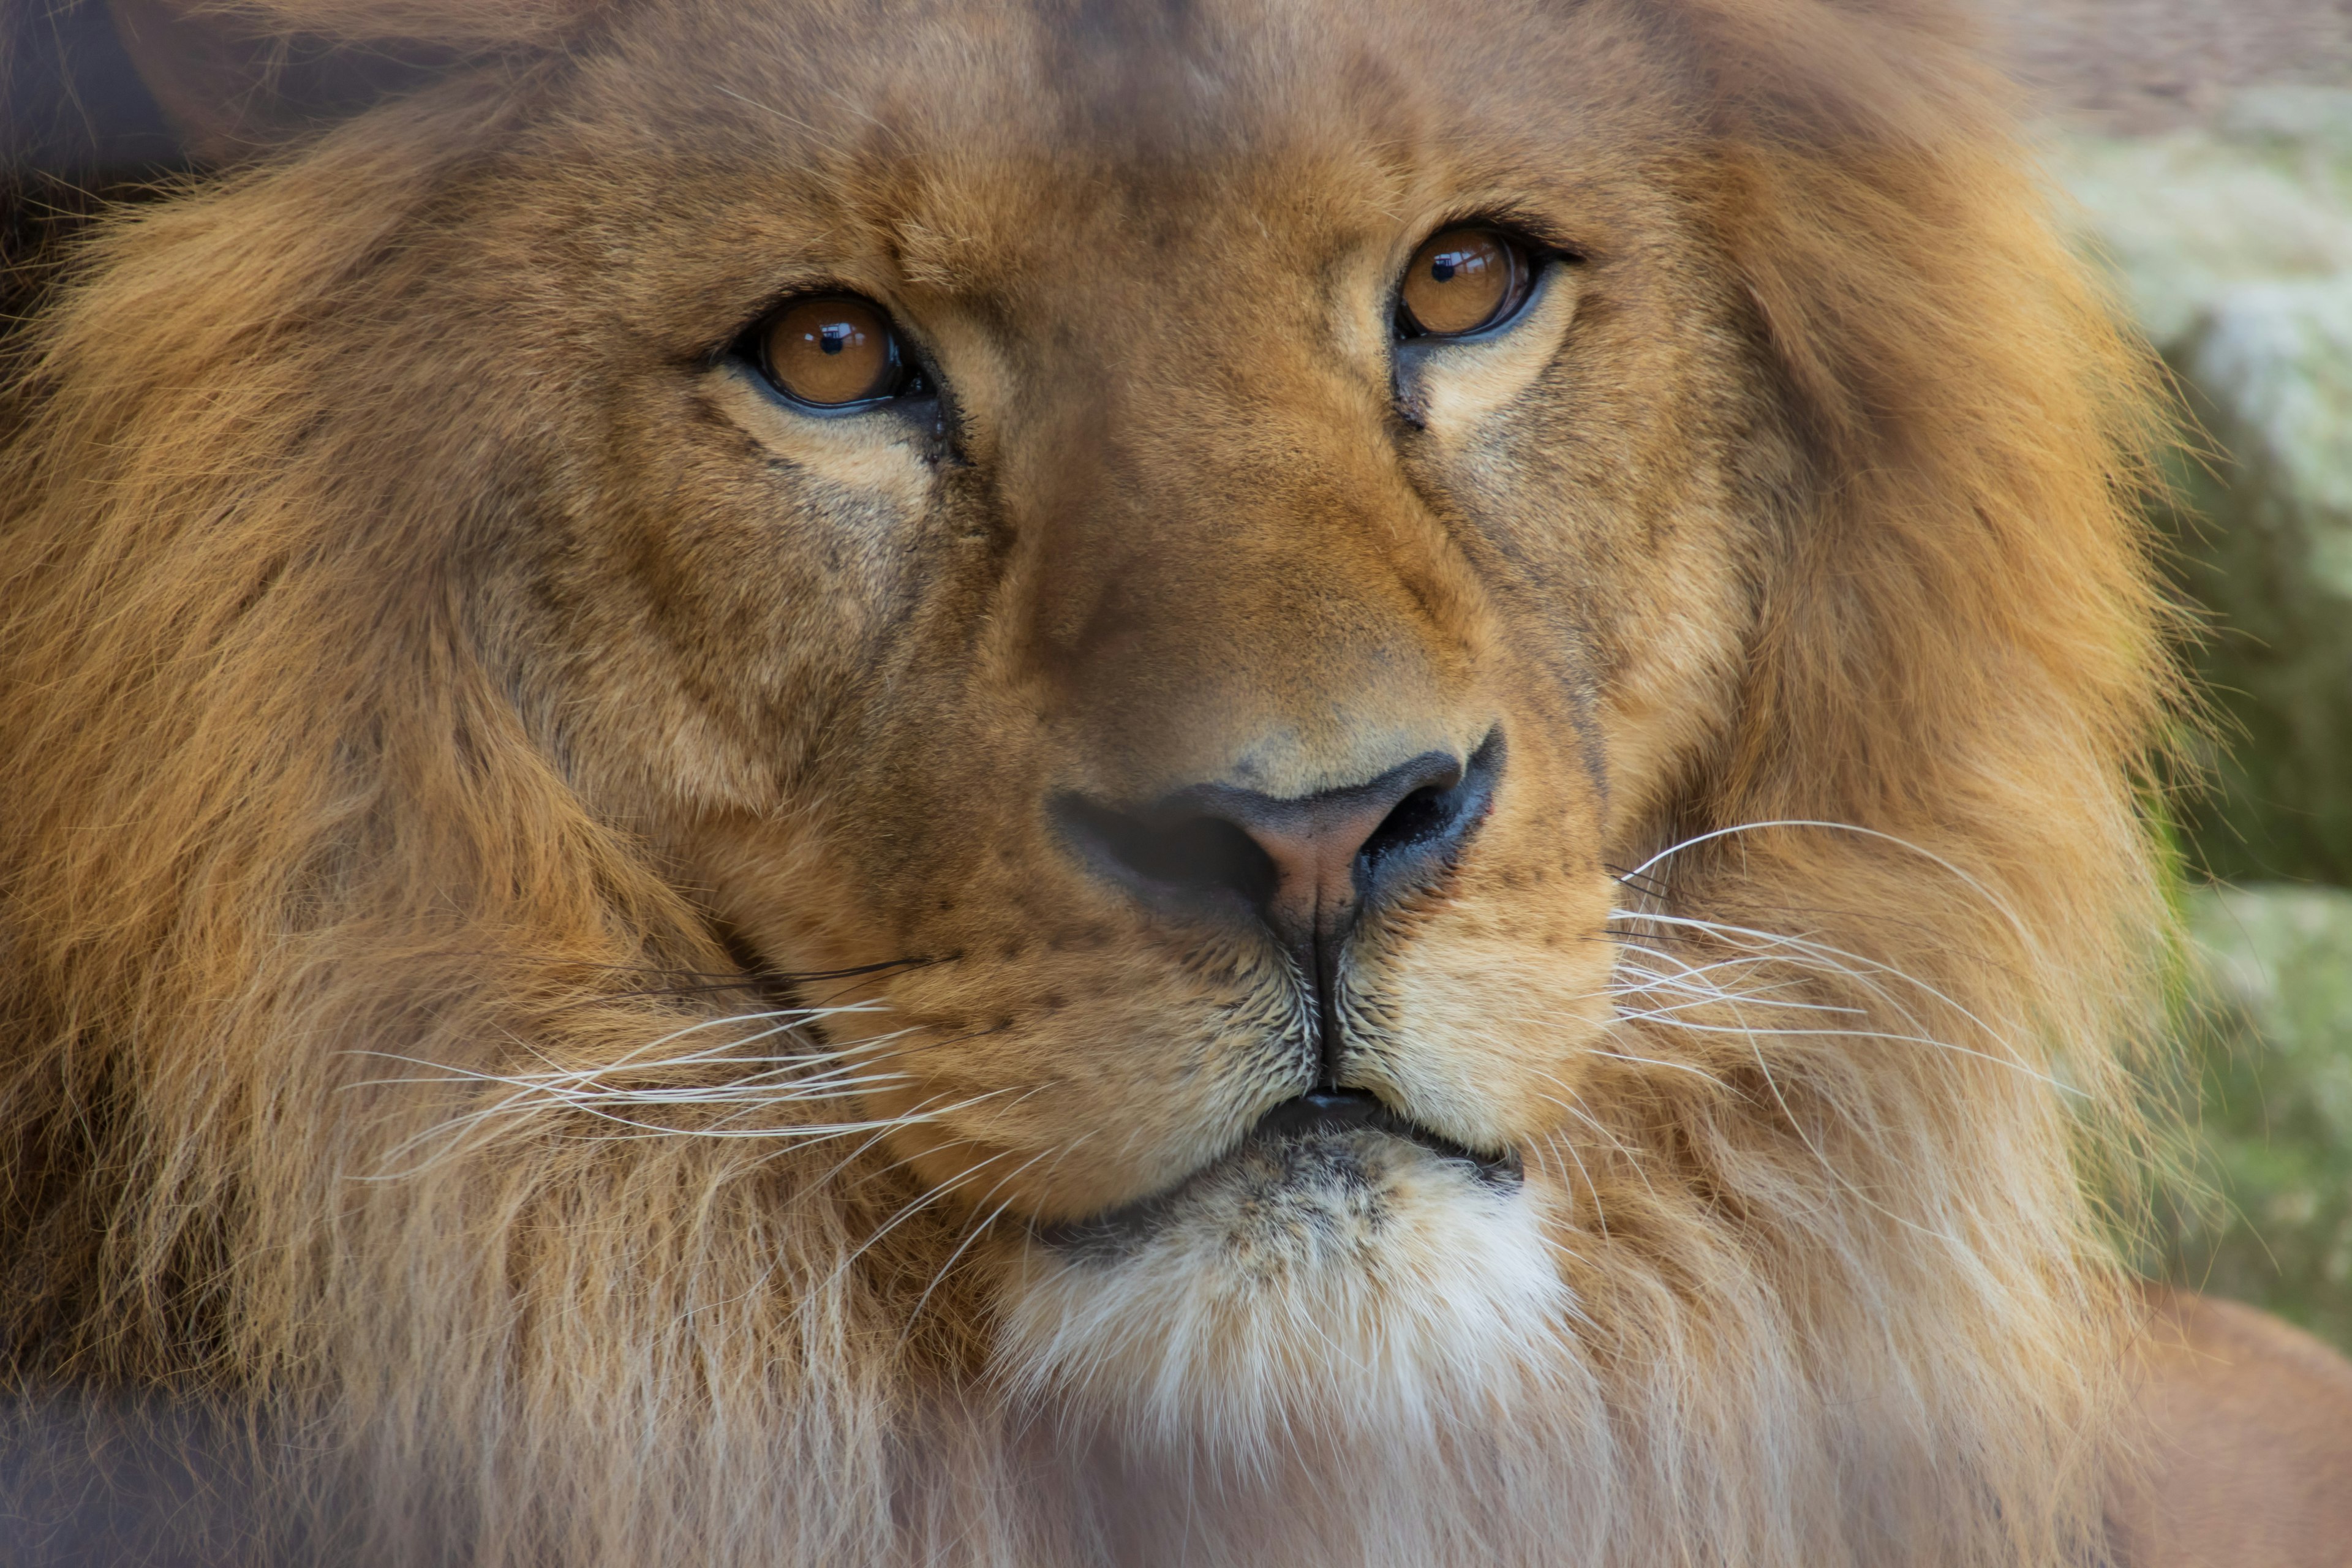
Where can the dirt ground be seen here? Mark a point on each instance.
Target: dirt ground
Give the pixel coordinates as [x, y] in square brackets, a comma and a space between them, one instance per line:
[2130, 65]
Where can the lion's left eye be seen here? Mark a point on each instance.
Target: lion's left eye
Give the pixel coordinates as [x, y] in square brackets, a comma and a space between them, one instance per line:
[835, 352]
[1464, 281]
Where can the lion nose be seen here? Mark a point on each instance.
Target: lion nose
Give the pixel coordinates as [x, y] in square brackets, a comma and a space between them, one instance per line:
[1308, 867]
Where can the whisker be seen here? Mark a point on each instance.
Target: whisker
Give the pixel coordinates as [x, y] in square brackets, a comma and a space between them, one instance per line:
[2042, 1079]
[785, 1081]
[1590, 1186]
[1699, 1073]
[914, 1313]
[1822, 950]
[907, 1210]
[1994, 900]
[1829, 1168]
[1651, 887]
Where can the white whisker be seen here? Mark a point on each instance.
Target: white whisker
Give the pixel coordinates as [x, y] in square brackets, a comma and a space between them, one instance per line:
[1838, 961]
[2000, 905]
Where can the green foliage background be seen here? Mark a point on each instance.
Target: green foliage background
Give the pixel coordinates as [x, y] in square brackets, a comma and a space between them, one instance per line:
[2232, 242]
[2270, 1043]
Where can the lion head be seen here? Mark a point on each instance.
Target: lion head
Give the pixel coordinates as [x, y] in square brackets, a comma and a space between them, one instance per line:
[1268, 781]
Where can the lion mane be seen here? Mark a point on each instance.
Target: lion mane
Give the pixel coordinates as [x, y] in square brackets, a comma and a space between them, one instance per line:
[376, 1086]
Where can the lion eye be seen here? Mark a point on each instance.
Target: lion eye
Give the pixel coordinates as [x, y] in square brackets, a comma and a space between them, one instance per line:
[1462, 280]
[833, 351]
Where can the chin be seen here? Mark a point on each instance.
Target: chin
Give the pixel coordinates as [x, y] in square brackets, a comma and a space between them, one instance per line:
[1315, 1284]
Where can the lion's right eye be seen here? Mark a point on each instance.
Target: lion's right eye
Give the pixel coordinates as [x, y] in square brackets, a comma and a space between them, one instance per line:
[835, 352]
[1462, 281]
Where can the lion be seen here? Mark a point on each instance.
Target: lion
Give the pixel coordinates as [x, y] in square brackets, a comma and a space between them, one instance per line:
[1268, 781]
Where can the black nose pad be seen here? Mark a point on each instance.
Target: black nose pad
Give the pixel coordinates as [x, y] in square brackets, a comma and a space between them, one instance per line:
[1306, 867]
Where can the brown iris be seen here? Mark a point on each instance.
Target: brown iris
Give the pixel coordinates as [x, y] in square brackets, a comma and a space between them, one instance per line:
[830, 349]
[1462, 280]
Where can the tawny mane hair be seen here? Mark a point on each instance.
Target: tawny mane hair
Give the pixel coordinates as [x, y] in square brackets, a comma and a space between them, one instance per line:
[278, 833]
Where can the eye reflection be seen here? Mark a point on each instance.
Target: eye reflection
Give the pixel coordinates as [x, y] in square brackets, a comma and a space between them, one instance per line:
[831, 351]
[1462, 280]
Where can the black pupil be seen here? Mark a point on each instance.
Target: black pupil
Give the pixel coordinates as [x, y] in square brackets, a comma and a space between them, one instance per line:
[831, 338]
[1445, 264]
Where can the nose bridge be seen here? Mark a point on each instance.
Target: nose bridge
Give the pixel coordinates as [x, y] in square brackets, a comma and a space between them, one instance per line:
[1237, 585]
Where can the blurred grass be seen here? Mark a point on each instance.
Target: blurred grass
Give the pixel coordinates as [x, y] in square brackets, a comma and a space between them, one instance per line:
[2270, 1045]
[2263, 1210]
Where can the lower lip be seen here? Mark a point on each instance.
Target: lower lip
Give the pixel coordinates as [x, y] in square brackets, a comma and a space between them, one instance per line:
[1317, 1115]
[1322, 1112]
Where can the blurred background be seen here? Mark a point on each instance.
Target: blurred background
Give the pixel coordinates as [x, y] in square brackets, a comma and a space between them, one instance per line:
[2204, 150]
[2203, 153]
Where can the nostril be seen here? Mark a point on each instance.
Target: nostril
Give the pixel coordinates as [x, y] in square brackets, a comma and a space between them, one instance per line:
[1190, 855]
[1419, 817]
[1437, 814]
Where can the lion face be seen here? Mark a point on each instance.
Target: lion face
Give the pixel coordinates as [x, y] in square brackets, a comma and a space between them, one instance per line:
[1194, 705]
[1418, 728]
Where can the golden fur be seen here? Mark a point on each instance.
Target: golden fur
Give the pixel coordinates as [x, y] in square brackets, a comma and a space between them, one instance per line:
[450, 717]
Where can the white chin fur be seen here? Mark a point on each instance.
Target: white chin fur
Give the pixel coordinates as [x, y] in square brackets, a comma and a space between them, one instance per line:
[1351, 1282]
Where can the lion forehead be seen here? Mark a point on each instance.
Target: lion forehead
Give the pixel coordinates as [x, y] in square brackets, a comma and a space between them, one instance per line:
[943, 137]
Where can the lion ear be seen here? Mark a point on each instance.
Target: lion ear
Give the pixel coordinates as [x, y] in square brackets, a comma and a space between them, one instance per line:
[237, 75]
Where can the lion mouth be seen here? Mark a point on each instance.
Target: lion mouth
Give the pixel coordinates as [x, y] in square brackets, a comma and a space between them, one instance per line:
[1329, 1110]
[1323, 1116]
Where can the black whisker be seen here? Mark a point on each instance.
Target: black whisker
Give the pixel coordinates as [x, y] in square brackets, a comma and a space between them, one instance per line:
[1640, 882]
[750, 981]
